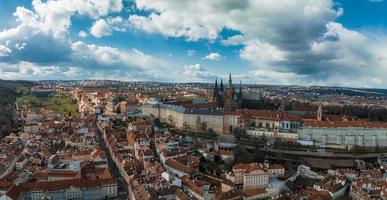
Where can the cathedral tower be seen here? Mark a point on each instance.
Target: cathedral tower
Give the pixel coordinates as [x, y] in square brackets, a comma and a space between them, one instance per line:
[229, 94]
[215, 96]
[240, 96]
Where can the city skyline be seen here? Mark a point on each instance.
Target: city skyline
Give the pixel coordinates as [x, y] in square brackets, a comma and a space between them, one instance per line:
[330, 43]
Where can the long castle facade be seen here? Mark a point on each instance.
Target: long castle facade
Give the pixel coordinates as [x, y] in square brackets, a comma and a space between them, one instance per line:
[226, 97]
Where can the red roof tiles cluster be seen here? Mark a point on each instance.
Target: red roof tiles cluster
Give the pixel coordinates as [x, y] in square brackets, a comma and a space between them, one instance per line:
[268, 115]
[186, 164]
[249, 167]
[87, 177]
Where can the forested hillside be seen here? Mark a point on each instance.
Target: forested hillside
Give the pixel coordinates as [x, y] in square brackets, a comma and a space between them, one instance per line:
[9, 91]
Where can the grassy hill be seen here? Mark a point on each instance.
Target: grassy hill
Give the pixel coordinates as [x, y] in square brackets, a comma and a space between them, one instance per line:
[60, 104]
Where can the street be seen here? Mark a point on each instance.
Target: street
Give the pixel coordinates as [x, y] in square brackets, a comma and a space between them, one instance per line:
[122, 186]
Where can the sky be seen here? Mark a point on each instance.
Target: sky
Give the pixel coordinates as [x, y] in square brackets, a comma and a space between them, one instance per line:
[285, 42]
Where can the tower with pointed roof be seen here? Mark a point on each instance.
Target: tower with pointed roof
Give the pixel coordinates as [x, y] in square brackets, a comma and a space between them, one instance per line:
[221, 94]
[215, 96]
[229, 96]
[229, 81]
[240, 95]
[319, 113]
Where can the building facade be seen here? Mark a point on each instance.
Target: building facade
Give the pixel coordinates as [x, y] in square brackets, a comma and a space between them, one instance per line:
[192, 120]
[253, 175]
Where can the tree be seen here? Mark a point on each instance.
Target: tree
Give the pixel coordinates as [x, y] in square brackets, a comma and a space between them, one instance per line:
[239, 133]
[212, 133]
[198, 121]
[157, 122]
[170, 120]
[217, 159]
[203, 126]
[263, 139]
[185, 127]
[244, 156]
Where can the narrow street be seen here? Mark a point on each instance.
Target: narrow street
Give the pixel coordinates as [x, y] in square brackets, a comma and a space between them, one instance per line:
[122, 186]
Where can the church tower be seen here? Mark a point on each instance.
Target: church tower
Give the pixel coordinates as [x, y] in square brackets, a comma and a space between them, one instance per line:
[221, 88]
[228, 105]
[240, 96]
[221, 94]
[215, 96]
[319, 113]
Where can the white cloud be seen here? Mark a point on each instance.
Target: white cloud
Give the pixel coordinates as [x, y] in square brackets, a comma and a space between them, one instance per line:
[234, 40]
[4, 50]
[205, 19]
[40, 47]
[100, 28]
[261, 53]
[82, 34]
[105, 57]
[195, 67]
[191, 52]
[285, 38]
[193, 73]
[27, 70]
[267, 76]
[29, 43]
[55, 16]
[106, 27]
[42, 35]
[20, 46]
[213, 57]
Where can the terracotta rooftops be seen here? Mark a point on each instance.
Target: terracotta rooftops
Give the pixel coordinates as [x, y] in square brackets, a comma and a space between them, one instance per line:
[15, 191]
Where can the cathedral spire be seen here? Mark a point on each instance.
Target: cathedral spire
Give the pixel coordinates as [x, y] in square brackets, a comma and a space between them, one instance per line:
[240, 96]
[215, 96]
[229, 80]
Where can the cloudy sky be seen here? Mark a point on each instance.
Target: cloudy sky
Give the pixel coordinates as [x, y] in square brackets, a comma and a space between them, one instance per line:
[305, 42]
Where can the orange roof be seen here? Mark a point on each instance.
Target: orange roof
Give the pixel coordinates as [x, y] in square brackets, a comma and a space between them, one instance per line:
[276, 166]
[248, 167]
[253, 192]
[15, 191]
[179, 166]
[192, 185]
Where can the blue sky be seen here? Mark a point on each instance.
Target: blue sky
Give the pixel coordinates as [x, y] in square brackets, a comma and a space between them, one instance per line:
[304, 42]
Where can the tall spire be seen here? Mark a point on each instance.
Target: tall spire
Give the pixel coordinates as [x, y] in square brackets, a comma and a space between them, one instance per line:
[215, 96]
[229, 80]
[240, 89]
[240, 96]
[221, 84]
